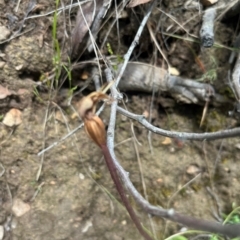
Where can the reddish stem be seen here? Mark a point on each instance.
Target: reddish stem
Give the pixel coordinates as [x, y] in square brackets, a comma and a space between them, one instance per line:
[113, 171]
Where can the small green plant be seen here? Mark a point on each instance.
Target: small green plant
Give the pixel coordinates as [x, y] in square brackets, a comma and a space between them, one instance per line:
[211, 75]
[57, 51]
[57, 62]
[69, 75]
[109, 48]
[231, 218]
[234, 216]
[119, 59]
[36, 93]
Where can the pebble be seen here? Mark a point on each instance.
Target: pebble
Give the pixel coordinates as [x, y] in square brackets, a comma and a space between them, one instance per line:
[1, 232]
[87, 226]
[4, 33]
[2, 64]
[19, 207]
[81, 176]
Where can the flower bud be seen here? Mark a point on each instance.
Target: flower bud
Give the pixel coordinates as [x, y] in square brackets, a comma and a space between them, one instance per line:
[94, 126]
[88, 104]
[95, 129]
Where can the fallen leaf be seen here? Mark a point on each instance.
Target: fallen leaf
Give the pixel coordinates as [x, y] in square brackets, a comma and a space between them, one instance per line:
[134, 3]
[167, 141]
[145, 114]
[13, 118]
[84, 20]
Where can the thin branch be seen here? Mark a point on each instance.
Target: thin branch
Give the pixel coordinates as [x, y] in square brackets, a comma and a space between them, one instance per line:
[199, 224]
[229, 230]
[59, 10]
[228, 133]
[134, 43]
[67, 135]
[207, 29]
[236, 78]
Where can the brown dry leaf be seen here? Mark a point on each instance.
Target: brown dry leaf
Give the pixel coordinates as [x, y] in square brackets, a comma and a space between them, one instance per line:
[134, 3]
[167, 141]
[13, 118]
[84, 75]
[84, 21]
[145, 114]
[4, 92]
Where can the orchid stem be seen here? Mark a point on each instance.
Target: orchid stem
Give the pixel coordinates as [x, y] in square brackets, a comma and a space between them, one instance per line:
[113, 171]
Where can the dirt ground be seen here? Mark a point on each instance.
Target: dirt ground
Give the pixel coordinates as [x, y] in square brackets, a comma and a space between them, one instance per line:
[67, 192]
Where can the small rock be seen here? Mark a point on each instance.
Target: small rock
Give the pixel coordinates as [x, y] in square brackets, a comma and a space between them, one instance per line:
[19, 207]
[87, 226]
[237, 145]
[2, 55]
[2, 64]
[81, 176]
[4, 92]
[19, 67]
[4, 33]
[1, 232]
[124, 222]
[193, 169]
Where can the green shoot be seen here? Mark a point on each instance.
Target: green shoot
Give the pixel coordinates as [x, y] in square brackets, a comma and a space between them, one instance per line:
[57, 51]
[211, 74]
[36, 93]
[109, 48]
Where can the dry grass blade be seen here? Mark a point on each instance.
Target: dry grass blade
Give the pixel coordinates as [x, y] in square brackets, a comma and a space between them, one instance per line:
[134, 3]
[204, 113]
